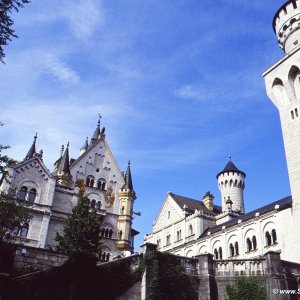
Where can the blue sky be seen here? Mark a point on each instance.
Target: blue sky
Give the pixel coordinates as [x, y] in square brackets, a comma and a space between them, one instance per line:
[178, 83]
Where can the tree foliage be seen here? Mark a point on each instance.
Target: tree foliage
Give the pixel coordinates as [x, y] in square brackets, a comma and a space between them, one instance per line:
[247, 288]
[81, 231]
[6, 22]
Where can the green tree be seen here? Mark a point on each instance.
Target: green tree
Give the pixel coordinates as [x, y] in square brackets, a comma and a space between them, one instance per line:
[247, 288]
[6, 22]
[81, 231]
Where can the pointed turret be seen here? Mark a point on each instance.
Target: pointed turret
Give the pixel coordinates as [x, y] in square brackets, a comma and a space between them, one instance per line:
[128, 178]
[84, 146]
[96, 133]
[64, 165]
[32, 149]
[231, 183]
[63, 169]
[127, 197]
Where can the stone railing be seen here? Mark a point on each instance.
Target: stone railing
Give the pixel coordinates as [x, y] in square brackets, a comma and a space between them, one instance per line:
[238, 267]
[190, 238]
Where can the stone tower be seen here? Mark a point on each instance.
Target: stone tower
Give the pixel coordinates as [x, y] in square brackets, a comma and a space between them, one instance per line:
[127, 197]
[283, 88]
[231, 183]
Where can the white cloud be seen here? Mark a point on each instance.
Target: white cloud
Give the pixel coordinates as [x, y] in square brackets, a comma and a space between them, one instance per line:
[193, 93]
[60, 70]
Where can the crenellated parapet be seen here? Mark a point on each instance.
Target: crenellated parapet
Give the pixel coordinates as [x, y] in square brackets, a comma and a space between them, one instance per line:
[286, 23]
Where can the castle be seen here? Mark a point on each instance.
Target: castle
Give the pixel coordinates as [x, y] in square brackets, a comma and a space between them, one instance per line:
[53, 195]
[190, 227]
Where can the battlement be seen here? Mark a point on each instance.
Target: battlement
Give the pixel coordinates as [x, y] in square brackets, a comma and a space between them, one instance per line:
[286, 23]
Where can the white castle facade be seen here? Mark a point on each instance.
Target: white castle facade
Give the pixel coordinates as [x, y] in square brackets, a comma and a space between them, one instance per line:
[189, 227]
[53, 195]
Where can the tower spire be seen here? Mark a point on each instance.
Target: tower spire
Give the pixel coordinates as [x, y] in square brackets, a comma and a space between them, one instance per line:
[128, 178]
[63, 169]
[84, 146]
[32, 149]
[96, 132]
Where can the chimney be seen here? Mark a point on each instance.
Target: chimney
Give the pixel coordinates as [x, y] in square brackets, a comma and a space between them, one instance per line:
[208, 201]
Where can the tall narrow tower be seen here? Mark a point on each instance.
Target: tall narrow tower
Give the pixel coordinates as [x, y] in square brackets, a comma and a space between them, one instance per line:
[231, 182]
[283, 88]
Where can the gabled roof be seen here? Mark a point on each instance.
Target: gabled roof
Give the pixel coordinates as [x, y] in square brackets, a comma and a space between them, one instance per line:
[193, 204]
[282, 203]
[231, 167]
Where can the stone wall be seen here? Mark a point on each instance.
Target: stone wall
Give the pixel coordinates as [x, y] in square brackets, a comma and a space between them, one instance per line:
[29, 259]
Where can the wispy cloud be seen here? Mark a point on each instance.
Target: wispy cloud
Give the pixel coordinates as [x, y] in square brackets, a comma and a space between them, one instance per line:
[193, 93]
[60, 70]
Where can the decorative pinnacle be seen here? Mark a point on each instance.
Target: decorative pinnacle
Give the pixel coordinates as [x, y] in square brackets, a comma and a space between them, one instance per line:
[62, 150]
[68, 144]
[35, 137]
[99, 120]
[229, 157]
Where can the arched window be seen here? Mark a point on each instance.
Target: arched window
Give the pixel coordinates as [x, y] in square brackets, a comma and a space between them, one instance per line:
[190, 232]
[120, 234]
[178, 235]
[24, 230]
[92, 182]
[236, 248]
[110, 233]
[231, 250]
[158, 243]
[216, 254]
[122, 210]
[268, 239]
[168, 240]
[15, 230]
[102, 232]
[22, 193]
[274, 236]
[106, 232]
[98, 205]
[32, 195]
[254, 242]
[101, 183]
[220, 253]
[249, 245]
[93, 203]
[87, 182]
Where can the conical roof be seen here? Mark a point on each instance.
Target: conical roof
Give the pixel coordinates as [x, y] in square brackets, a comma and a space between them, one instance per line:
[96, 133]
[85, 145]
[32, 149]
[64, 164]
[231, 167]
[128, 178]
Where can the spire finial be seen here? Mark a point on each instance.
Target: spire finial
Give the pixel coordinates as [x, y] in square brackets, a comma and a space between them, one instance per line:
[68, 144]
[99, 119]
[129, 163]
[62, 150]
[229, 157]
[35, 137]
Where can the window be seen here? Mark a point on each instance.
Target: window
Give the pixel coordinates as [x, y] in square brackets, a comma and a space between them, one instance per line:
[120, 234]
[22, 193]
[169, 214]
[158, 243]
[24, 230]
[104, 256]
[254, 242]
[274, 236]
[93, 203]
[236, 248]
[178, 235]
[122, 210]
[15, 230]
[168, 240]
[231, 250]
[90, 181]
[268, 239]
[190, 232]
[216, 254]
[220, 253]
[98, 205]
[101, 184]
[32, 195]
[249, 245]
[87, 182]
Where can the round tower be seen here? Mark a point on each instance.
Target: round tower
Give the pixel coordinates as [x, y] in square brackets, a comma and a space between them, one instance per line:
[231, 183]
[286, 24]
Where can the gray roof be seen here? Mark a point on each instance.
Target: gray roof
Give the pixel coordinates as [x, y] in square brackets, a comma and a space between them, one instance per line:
[128, 179]
[193, 204]
[231, 167]
[64, 164]
[32, 149]
[283, 204]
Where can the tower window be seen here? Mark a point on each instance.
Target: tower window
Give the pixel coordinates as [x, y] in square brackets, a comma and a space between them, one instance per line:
[249, 245]
[236, 248]
[296, 112]
[216, 254]
[231, 250]
[254, 242]
[220, 252]
[274, 236]
[22, 193]
[292, 115]
[32, 195]
[268, 239]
